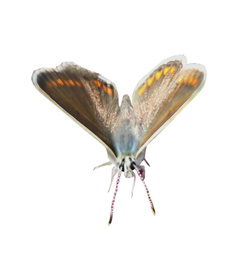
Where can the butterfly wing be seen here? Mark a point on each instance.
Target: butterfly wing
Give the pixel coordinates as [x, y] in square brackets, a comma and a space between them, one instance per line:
[162, 94]
[87, 97]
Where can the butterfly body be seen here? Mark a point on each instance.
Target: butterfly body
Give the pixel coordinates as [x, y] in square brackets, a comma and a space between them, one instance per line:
[92, 101]
[127, 130]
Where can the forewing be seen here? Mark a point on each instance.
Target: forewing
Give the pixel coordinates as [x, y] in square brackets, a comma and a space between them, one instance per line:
[163, 93]
[87, 97]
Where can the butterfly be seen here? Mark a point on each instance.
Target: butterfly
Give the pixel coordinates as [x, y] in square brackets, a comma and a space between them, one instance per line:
[125, 131]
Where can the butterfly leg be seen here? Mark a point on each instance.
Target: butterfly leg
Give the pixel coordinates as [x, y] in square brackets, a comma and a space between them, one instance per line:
[133, 186]
[146, 162]
[113, 201]
[104, 164]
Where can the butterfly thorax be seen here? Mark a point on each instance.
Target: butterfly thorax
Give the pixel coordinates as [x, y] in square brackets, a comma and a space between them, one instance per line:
[126, 130]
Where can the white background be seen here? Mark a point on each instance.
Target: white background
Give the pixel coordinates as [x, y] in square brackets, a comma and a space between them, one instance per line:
[52, 204]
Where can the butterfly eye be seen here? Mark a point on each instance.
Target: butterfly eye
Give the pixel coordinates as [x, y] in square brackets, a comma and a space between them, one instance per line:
[132, 165]
[122, 165]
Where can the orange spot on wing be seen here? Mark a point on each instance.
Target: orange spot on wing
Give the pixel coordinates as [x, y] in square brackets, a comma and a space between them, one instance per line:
[142, 89]
[180, 80]
[150, 81]
[49, 84]
[172, 70]
[186, 79]
[166, 70]
[194, 82]
[190, 80]
[66, 83]
[78, 83]
[71, 82]
[108, 90]
[98, 83]
[54, 83]
[60, 82]
[158, 74]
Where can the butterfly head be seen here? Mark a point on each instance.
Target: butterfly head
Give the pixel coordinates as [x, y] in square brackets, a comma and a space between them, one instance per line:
[129, 165]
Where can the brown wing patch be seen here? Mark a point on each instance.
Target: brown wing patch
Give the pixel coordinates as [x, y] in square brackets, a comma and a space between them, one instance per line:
[87, 97]
[163, 93]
